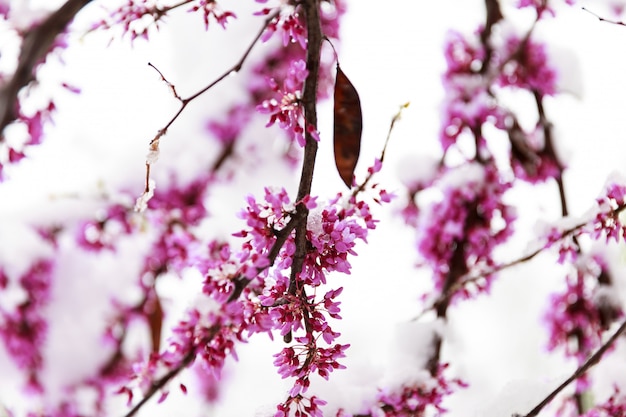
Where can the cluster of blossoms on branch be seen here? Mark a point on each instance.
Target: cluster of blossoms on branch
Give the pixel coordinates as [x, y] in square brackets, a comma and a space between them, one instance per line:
[248, 291]
[24, 326]
[463, 217]
[135, 18]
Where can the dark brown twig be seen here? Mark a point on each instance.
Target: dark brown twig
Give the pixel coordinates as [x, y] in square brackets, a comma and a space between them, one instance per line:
[154, 143]
[309, 101]
[162, 382]
[169, 84]
[603, 19]
[394, 120]
[494, 15]
[589, 363]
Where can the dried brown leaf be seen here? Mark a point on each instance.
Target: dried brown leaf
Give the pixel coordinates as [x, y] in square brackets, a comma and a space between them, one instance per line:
[348, 126]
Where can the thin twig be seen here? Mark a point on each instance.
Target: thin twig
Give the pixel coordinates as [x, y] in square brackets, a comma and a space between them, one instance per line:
[154, 143]
[394, 119]
[470, 277]
[156, 13]
[162, 382]
[589, 363]
[169, 84]
[36, 45]
[550, 153]
[603, 19]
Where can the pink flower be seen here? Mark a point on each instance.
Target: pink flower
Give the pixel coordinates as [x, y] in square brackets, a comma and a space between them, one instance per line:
[285, 108]
[210, 9]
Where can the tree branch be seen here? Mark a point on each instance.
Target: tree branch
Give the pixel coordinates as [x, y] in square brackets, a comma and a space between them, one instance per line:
[309, 101]
[603, 19]
[494, 15]
[589, 363]
[162, 382]
[371, 173]
[35, 47]
[471, 278]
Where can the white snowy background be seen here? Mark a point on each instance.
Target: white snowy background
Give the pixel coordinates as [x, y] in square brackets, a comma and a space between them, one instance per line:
[392, 52]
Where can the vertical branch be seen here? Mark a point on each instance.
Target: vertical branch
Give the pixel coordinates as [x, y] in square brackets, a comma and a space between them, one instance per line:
[457, 264]
[309, 101]
[550, 151]
[309, 95]
[494, 15]
[458, 269]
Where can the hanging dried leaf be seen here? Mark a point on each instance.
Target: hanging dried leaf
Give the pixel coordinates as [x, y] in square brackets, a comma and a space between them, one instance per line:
[348, 126]
[154, 315]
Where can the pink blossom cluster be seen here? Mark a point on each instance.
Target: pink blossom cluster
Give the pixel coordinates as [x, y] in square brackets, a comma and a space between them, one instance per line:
[30, 120]
[290, 25]
[286, 107]
[607, 221]
[424, 398]
[603, 222]
[99, 234]
[614, 406]
[34, 125]
[173, 214]
[475, 73]
[23, 328]
[339, 229]
[541, 6]
[525, 65]
[583, 311]
[128, 16]
[468, 103]
[135, 17]
[292, 29]
[462, 217]
[460, 231]
[211, 10]
[285, 92]
[578, 316]
[301, 406]
[333, 232]
[227, 131]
